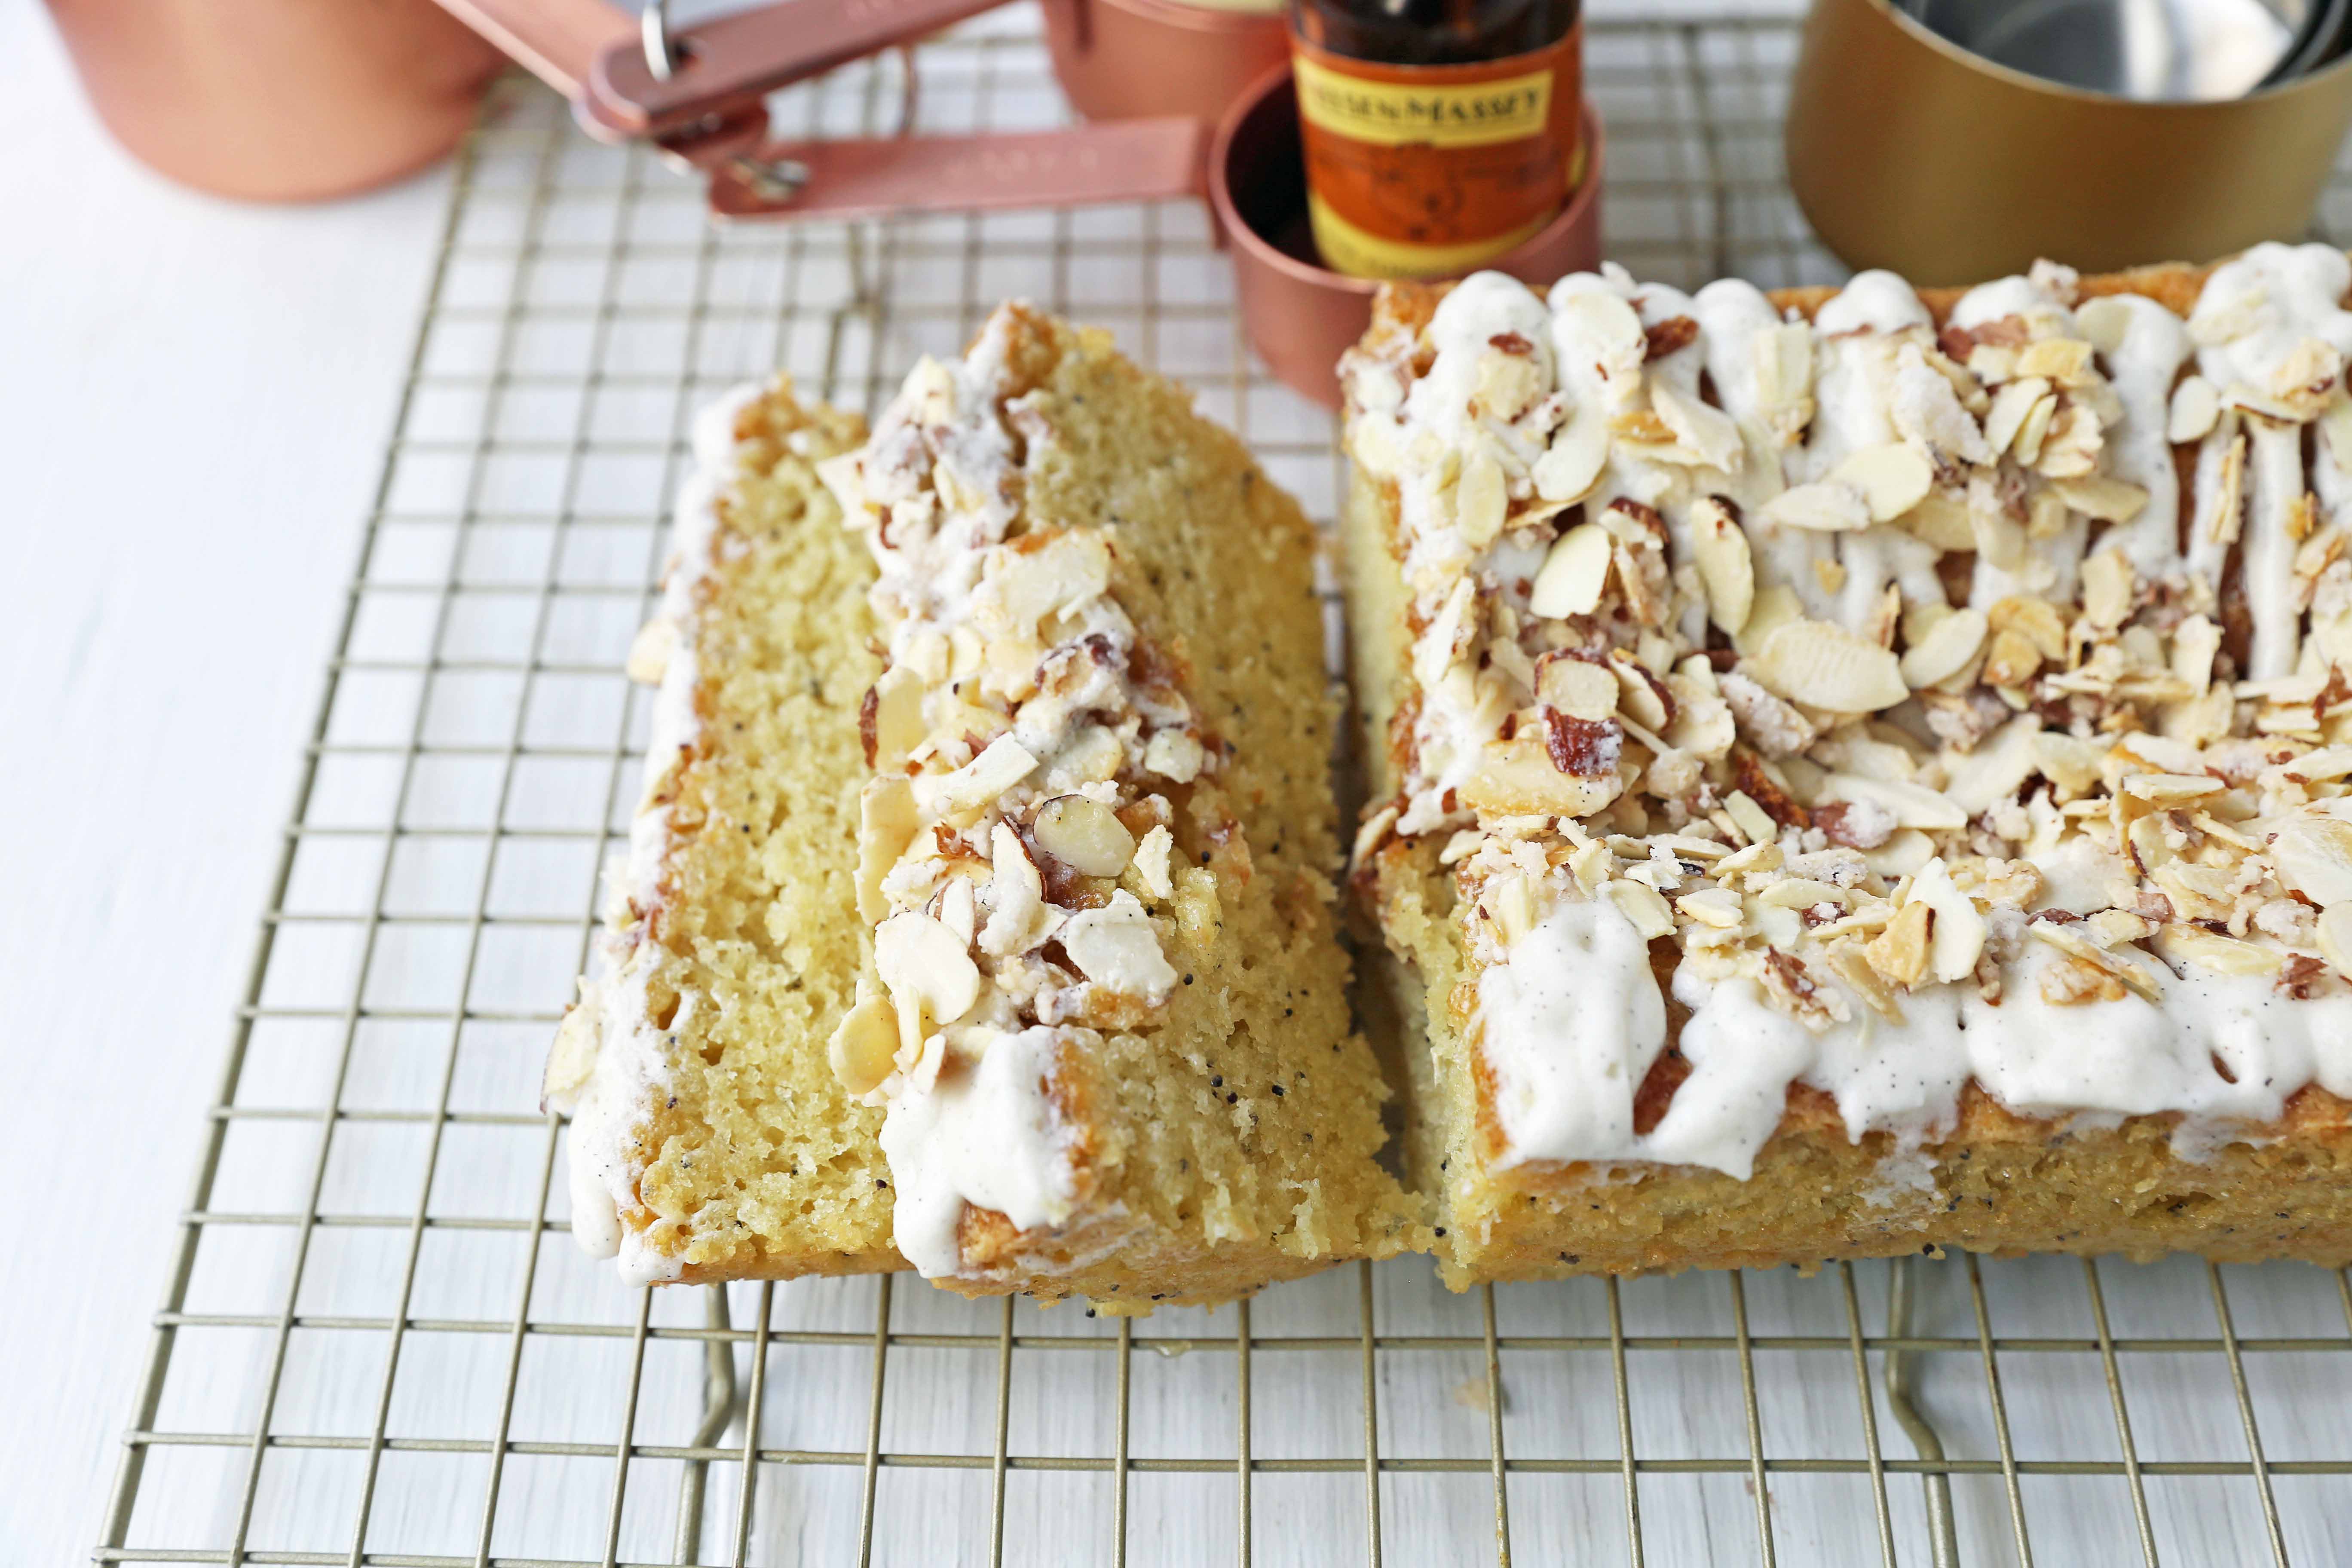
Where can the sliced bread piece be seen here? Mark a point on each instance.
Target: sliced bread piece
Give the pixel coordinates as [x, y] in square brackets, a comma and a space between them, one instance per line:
[1109, 1013]
[709, 1139]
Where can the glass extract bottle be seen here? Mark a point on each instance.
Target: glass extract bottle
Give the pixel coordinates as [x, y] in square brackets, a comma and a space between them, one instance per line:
[1438, 133]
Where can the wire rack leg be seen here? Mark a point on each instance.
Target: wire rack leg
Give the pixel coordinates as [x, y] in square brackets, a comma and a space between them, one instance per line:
[1371, 1417]
[1902, 1301]
[719, 1403]
[1495, 1434]
[1242, 1425]
[1624, 1427]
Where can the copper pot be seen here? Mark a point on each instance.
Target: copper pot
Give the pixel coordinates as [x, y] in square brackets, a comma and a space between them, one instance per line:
[1908, 153]
[1301, 317]
[279, 99]
[1118, 59]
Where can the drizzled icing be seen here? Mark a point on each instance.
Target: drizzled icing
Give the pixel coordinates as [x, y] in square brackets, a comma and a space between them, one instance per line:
[1937, 741]
[1014, 852]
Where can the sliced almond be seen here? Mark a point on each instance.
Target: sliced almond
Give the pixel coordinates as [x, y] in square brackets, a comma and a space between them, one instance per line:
[2109, 588]
[2070, 449]
[1824, 506]
[1999, 538]
[1958, 937]
[1802, 893]
[923, 962]
[2108, 499]
[2115, 966]
[1912, 805]
[650, 650]
[2184, 943]
[2027, 449]
[887, 824]
[1941, 521]
[2010, 660]
[2010, 405]
[971, 787]
[1715, 906]
[1755, 824]
[1571, 465]
[1725, 565]
[1115, 947]
[899, 726]
[1084, 834]
[1377, 445]
[1507, 383]
[2336, 938]
[1574, 572]
[1639, 692]
[1510, 903]
[1707, 432]
[1174, 754]
[1516, 778]
[1576, 687]
[2195, 408]
[1946, 650]
[1480, 497]
[1999, 767]
[1776, 605]
[1641, 905]
[1603, 325]
[1823, 665]
[2171, 789]
[1784, 364]
[2106, 321]
[2194, 641]
[2066, 361]
[1900, 951]
[2313, 856]
[2033, 618]
[2223, 520]
[1901, 855]
[1153, 855]
[1893, 478]
[864, 1049]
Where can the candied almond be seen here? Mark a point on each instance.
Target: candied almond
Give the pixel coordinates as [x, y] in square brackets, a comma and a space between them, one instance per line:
[864, 1049]
[1574, 574]
[1826, 506]
[2335, 938]
[2196, 408]
[1891, 478]
[1822, 665]
[1084, 834]
[1900, 951]
[1945, 648]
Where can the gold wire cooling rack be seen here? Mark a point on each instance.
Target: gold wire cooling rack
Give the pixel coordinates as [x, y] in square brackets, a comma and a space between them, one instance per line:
[379, 1346]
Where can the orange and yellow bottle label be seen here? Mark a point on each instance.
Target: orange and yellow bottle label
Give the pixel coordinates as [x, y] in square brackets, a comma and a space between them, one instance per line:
[1422, 171]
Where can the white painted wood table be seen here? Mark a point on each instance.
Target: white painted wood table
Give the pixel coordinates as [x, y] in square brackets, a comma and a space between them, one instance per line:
[196, 402]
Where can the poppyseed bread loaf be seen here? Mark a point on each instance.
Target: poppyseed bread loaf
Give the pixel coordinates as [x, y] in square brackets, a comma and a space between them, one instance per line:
[1862, 770]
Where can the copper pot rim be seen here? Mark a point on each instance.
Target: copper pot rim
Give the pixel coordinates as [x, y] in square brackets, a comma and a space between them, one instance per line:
[1918, 33]
[1254, 249]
